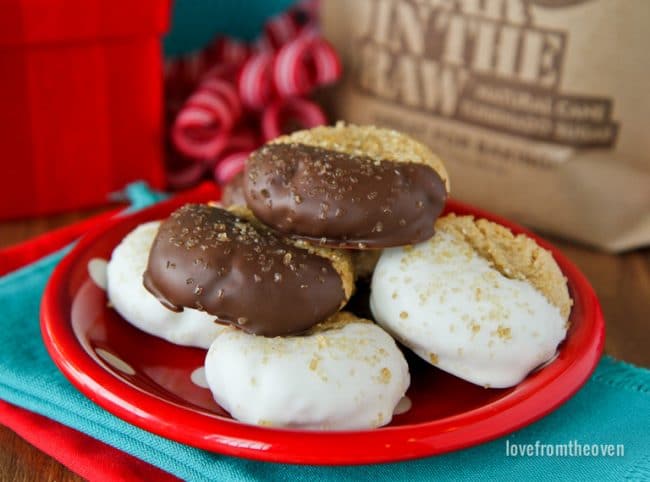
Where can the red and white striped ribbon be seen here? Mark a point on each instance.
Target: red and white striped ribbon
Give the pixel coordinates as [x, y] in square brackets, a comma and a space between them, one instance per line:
[303, 64]
[230, 51]
[201, 129]
[255, 81]
[295, 111]
[281, 29]
[242, 143]
[243, 89]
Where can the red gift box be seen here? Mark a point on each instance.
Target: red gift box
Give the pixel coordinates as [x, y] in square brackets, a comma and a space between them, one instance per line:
[80, 101]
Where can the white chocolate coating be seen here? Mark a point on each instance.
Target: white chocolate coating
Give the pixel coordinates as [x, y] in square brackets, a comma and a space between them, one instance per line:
[139, 307]
[452, 308]
[345, 378]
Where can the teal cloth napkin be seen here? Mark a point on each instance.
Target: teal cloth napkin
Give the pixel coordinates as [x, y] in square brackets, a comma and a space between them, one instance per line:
[612, 408]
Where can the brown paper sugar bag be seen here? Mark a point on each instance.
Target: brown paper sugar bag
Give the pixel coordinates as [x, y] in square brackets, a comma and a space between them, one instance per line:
[540, 108]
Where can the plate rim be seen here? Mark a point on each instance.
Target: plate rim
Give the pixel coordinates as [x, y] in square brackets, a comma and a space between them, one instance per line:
[557, 383]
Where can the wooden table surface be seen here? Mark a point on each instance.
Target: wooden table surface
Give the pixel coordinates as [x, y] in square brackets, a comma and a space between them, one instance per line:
[621, 281]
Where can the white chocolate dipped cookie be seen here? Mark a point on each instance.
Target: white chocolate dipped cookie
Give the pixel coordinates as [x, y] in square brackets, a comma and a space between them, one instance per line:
[475, 301]
[344, 374]
[139, 307]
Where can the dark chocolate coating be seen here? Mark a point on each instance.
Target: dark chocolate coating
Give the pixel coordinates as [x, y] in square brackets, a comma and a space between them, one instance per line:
[209, 259]
[343, 200]
[233, 191]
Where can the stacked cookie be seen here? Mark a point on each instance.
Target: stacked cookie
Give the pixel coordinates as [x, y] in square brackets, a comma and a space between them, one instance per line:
[310, 217]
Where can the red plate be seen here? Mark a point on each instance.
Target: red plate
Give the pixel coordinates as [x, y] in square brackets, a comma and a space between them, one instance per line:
[147, 381]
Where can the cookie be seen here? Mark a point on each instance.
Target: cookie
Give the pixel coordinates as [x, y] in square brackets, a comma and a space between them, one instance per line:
[364, 262]
[244, 274]
[475, 301]
[347, 186]
[233, 192]
[345, 374]
[130, 299]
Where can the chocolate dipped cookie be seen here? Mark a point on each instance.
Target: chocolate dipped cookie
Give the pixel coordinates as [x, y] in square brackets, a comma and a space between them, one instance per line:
[233, 192]
[347, 186]
[232, 267]
[140, 308]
